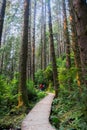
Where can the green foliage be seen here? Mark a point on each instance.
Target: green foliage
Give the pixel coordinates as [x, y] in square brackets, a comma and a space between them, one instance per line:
[70, 108]
[39, 77]
[33, 93]
[66, 74]
[13, 118]
[48, 73]
[31, 90]
[10, 115]
[71, 113]
[8, 94]
[50, 87]
[61, 62]
[44, 77]
[55, 120]
[41, 94]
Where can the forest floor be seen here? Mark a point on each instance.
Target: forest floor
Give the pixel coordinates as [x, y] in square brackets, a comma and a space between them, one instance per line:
[38, 117]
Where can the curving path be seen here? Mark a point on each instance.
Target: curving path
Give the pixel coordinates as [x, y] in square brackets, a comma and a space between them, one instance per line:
[38, 118]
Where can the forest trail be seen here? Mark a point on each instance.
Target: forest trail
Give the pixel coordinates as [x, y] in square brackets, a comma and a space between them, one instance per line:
[38, 118]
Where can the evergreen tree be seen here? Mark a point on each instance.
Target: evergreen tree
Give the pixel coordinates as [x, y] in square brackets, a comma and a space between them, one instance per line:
[55, 73]
[23, 97]
[2, 15]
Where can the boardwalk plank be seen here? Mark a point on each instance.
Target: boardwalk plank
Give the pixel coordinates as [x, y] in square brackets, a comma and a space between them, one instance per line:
[38, 118]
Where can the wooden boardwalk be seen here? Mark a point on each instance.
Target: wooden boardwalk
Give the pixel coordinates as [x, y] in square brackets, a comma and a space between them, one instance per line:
[38, 117]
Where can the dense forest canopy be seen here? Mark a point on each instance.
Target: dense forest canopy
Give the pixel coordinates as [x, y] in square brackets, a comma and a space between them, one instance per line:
[44, 42]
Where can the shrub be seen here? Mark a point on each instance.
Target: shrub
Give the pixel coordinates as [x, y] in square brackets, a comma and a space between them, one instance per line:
[8, 94]
[40, 94]
[48, 73]
[39, 77]
[32, 95]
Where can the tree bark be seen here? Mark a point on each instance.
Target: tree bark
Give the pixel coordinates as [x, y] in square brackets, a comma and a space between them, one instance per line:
[33, 44]
[44, 43]
[42, 36]
[41, 48]
[75, 45]
[23, 98]
[55, 73]
[2, 14]
[29, 45]
[2, 56]
[66, 36]
[80, 8]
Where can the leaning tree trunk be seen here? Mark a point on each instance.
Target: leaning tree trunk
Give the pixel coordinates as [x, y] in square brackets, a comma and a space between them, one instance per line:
[23, 98]
[80, 8]
[2, 14]
[55, 74]
[33, 44]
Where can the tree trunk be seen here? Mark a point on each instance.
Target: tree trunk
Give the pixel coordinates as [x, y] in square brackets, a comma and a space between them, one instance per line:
[55, 74]
[2, 56]
[29, 45]
[44, 43]
[59, 29]
[80, 8]
[41, 48]
[23, 98]
[2, 14]
[75, 46]
[66, 36]
[42, 35]
[33, 44]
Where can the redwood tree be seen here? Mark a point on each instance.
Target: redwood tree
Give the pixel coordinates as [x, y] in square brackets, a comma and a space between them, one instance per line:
[42, 34]
[29, 45]
[2, 14]
[23, 98]
[66, 36]
[75, 45]
[33, 43]
[44, 43]
[55, 73]
[80, 8]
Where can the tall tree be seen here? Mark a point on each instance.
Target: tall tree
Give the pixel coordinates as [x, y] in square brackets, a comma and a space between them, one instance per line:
[2, 14]
[23, 98]
[66, 36]
[55, 73]
[44, 43]
[80, 8]
[42, 35]
[33, 43]
[29, 44]
[75, 45]
[41, 48]
[2, 56]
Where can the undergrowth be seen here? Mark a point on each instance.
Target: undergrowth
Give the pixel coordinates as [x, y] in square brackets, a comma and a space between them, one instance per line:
[69, 110]
[10, 115]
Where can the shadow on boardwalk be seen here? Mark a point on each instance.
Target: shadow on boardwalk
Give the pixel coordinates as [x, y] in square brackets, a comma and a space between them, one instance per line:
[38, 117]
